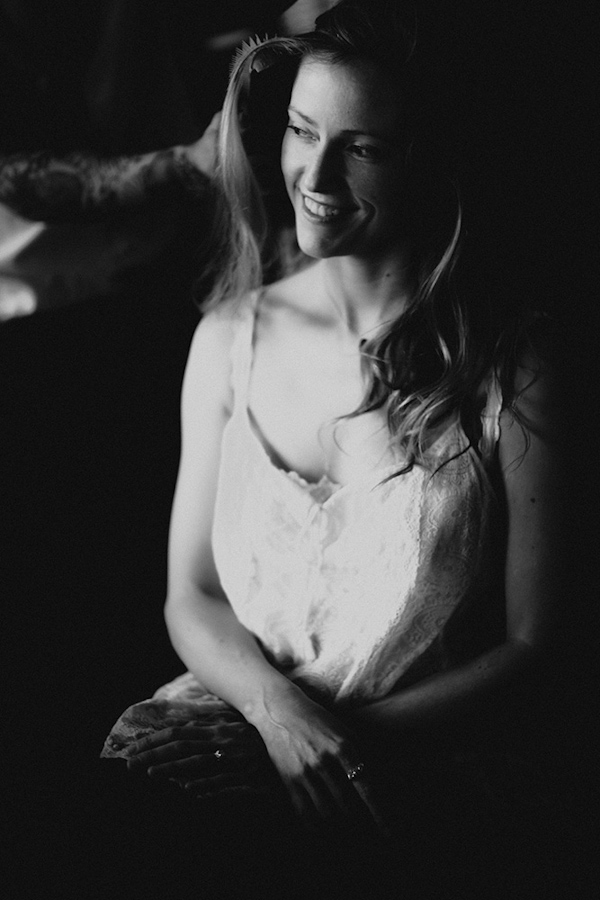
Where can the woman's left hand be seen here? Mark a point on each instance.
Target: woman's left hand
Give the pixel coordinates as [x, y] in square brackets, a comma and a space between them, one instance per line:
[202, 757]
[317, 759]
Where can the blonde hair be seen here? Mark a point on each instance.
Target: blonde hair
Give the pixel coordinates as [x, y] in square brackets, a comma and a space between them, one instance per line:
[427, 366]
[241, 229]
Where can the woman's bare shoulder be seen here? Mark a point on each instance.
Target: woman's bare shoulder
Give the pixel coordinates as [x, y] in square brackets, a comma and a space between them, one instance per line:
[538, 398]
[209, 365]
[216, 330]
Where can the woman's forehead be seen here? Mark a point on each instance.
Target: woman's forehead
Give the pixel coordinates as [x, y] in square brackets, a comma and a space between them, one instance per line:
[354, 93]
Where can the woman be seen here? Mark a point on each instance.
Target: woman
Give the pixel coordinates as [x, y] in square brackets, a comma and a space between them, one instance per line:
[335, 534]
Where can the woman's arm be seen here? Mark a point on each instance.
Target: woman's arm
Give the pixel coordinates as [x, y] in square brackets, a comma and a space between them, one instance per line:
[309, 748]
[534, 480]
[45, 187]
[204, 630]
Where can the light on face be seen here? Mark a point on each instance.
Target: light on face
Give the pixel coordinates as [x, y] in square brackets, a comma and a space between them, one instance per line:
[341, 160]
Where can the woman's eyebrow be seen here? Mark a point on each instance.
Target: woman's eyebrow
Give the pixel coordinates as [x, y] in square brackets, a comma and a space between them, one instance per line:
[302, 116]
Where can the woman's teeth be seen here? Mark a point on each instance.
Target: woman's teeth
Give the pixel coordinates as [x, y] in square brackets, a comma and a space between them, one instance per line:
[318, 209]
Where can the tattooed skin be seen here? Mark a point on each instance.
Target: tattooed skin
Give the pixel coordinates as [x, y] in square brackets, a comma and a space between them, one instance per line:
[46, 187]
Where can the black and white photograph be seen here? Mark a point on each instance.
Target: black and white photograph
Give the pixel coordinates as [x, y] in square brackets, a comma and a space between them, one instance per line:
[298, 460]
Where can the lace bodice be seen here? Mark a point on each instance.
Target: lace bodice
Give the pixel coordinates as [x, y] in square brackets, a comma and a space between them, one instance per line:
[346, 587]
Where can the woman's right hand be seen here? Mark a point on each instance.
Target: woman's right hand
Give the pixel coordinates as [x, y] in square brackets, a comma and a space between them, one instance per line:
[317, 759]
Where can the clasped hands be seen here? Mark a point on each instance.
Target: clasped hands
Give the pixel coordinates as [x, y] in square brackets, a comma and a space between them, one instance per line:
[204, 757]
[314, 755]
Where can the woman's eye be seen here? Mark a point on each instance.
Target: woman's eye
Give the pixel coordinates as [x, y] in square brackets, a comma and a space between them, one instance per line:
[367, 152]
[299, 132]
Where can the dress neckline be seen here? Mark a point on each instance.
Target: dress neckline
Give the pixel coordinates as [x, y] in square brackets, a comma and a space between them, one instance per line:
[322, 484]
[321, 490]
[324, 490]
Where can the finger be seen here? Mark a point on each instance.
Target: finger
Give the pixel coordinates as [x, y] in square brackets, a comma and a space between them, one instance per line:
[233, 790]
[190, 765]
[357, 778]
[208, 731]
[304, 806]
[311, 798]
[340, 789]
[202, 734]
[321, 797]
[202, 787]
[164, 747]
[366, 794]
[227, 716]
[169, 753]
[165, 736]
[200, 763]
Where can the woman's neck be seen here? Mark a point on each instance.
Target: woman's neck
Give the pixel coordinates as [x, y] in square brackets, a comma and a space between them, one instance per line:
[365, 296]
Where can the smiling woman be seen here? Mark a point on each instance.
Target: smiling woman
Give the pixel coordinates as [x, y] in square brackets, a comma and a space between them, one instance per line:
[343, 161]
[365, 545]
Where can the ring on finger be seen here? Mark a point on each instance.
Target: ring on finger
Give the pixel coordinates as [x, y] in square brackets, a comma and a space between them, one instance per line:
[355, 772]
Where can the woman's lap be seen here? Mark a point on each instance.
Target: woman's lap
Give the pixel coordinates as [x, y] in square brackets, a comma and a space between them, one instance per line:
[99, 831]
[103, 832]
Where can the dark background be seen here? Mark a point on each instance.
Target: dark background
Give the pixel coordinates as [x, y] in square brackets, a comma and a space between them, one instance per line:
[89, 387]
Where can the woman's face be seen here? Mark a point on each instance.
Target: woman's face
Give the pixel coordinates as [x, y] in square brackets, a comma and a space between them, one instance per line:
[342, 161]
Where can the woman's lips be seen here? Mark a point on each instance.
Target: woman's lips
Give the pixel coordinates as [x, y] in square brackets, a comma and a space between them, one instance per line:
[322, 212]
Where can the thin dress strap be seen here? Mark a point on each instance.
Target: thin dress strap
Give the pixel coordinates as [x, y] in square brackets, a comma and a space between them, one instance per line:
[490, 418]
[242, 350]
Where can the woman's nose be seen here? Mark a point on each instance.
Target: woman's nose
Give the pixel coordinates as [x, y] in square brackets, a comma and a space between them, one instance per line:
[323, 171]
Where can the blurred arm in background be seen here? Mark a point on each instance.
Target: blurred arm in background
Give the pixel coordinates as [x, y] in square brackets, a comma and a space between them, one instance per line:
[43, 186]
[105, 108]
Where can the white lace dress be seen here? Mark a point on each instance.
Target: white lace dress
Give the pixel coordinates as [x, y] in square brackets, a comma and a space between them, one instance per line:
[347, 588]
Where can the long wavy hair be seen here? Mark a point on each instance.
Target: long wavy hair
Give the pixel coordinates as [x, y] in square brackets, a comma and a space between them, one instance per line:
[427, 366]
